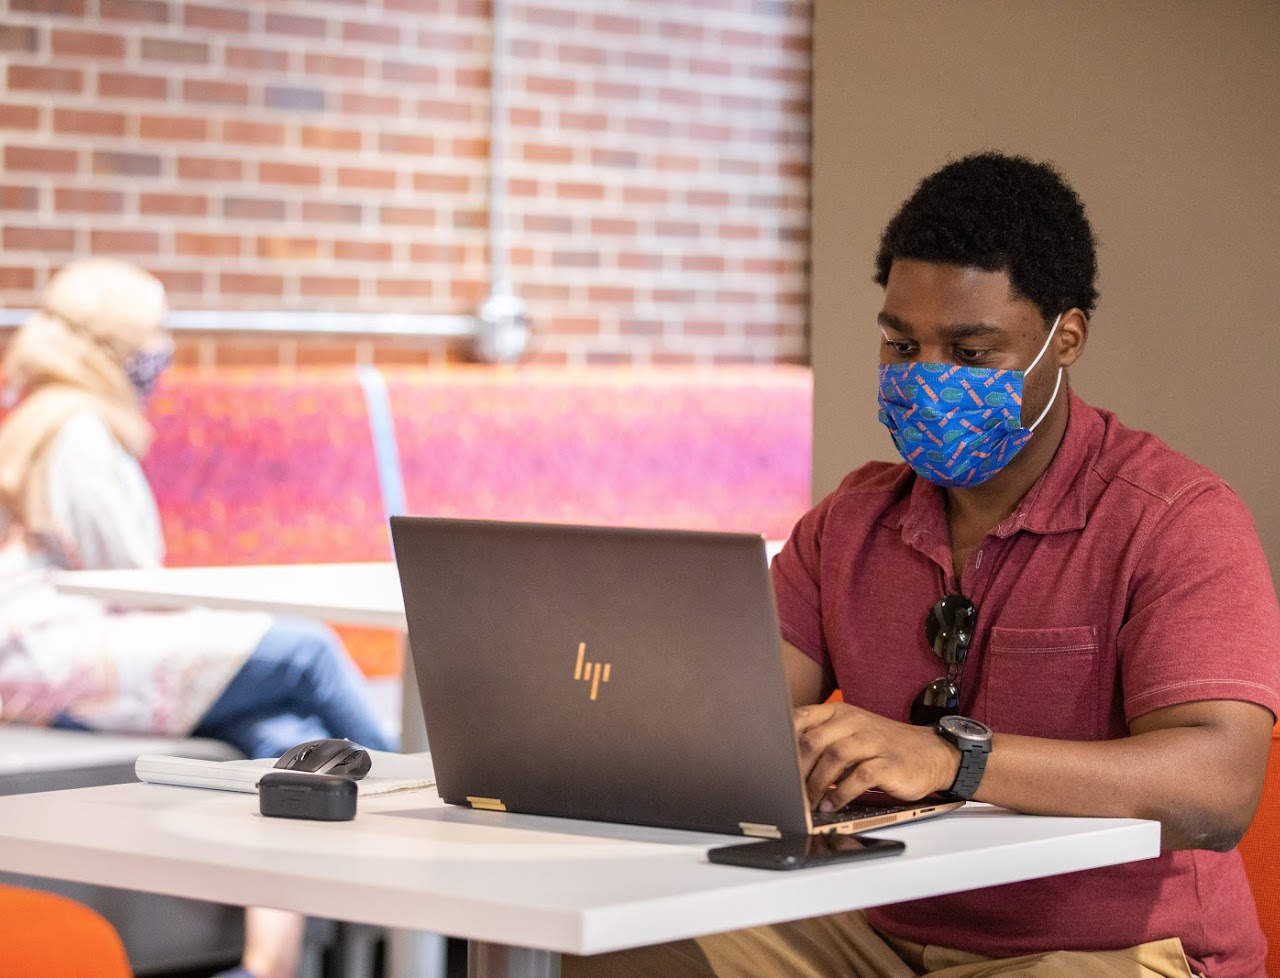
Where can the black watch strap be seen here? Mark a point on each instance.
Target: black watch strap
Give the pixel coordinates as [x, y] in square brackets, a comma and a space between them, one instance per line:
[973, 740]
[973, 762]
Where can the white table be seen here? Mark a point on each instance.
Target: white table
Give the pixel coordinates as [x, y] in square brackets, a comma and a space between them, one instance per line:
[366, 594]
[522, 889]
[346, 594]
[565, 887]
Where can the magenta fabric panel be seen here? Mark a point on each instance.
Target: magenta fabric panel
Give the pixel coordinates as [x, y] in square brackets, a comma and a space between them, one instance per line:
[265, 466]
[713, 449]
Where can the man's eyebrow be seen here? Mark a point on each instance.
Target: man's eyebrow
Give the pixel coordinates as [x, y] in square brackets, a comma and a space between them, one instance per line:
[967, 331]
[955, 331]
[894, 323]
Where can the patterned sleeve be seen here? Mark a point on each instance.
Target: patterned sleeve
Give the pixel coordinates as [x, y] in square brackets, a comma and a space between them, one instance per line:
[99, 497]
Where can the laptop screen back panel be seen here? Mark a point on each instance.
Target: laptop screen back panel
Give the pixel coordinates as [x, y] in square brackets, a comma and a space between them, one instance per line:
[612, 674]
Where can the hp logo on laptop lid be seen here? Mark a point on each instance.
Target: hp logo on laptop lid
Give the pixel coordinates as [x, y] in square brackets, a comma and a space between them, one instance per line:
[594, 673]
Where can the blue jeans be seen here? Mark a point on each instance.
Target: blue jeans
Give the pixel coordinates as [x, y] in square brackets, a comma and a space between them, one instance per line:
[299, 684]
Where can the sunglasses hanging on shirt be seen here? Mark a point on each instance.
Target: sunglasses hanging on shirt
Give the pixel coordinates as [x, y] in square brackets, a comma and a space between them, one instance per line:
[949, 630]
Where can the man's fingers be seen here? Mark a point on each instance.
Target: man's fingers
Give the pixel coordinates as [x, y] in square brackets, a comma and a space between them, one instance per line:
[845, 752]
[834, 764]
[807, 717]
[856, 782]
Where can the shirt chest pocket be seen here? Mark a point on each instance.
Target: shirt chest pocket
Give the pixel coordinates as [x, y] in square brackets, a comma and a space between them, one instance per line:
[1044, 682]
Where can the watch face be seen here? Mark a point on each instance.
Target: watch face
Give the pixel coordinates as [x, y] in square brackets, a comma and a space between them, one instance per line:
[966, 728]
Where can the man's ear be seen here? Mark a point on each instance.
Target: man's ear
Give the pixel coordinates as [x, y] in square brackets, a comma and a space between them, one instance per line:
[1073, 334]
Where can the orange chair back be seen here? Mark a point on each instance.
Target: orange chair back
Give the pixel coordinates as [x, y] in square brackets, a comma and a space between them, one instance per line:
[54, 937]
[1261, 852]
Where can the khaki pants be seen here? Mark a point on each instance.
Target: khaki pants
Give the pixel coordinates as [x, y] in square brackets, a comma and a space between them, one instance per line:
[846, 946]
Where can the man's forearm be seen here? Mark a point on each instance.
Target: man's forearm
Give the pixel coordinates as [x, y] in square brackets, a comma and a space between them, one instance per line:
[1202, 783]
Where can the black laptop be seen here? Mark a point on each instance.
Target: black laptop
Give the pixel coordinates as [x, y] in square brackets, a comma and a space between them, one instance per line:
[621, 675]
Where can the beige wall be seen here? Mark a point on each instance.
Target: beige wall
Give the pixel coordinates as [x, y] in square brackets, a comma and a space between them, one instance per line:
[1164, 116]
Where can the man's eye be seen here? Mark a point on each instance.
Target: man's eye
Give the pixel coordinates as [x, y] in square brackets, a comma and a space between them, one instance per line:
[900, 347]
[970, 356]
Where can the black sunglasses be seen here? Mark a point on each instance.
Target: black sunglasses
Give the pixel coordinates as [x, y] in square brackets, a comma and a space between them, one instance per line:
[949, 629]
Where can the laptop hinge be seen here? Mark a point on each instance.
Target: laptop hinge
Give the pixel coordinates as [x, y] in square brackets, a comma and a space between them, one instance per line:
[488, 804]
[761, 830]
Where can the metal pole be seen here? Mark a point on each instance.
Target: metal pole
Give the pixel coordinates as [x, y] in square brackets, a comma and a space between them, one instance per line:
[502, 330]
[499, 255]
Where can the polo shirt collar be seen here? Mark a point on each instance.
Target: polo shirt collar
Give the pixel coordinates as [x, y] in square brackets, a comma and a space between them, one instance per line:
[1057, 502]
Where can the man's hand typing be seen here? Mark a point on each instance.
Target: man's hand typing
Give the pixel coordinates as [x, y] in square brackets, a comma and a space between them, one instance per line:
[845, 751]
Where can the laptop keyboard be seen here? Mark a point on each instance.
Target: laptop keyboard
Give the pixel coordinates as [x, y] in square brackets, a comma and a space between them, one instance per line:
[854, 810]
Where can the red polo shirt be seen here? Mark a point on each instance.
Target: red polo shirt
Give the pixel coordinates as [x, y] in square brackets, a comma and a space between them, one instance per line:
[1128, 579]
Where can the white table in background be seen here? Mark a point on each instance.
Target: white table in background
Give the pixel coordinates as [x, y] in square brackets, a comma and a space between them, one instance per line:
[521, 889]
[348, 594]
[365, 594]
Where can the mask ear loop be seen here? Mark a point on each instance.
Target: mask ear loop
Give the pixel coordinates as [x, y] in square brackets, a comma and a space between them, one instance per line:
[1052, 332]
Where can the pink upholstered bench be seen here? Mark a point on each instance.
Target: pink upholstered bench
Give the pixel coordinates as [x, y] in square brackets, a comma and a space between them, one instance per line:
[265, 467]
[284, 466]
[708, 449]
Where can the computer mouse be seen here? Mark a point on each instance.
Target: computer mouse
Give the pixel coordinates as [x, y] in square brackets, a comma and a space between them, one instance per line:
[327, 757]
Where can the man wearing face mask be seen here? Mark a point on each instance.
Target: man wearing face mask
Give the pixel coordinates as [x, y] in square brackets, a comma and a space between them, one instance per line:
[1038, 608]
[73, 495]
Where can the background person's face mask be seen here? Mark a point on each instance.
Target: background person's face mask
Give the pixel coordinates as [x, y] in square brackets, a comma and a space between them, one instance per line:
[954, 425]
[144, 368]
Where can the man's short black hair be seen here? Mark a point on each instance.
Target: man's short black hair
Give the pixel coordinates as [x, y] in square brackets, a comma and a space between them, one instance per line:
[1000, 213]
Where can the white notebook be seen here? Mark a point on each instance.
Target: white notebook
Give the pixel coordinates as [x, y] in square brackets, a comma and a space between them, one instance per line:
[389, 772]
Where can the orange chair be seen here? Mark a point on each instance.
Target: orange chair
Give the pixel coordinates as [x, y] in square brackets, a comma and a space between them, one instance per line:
[50, 936]
[1261, 851]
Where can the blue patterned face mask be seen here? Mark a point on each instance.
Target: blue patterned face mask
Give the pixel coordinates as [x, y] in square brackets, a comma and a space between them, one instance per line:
[144, 368]
[954, 425]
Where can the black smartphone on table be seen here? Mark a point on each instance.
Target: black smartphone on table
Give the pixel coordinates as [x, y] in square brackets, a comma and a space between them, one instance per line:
[801, 851]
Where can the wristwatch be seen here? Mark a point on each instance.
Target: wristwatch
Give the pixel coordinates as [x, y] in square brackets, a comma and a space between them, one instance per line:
[973, 739]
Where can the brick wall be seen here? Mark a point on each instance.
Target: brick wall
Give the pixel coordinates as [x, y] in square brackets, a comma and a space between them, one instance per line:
[293, 154]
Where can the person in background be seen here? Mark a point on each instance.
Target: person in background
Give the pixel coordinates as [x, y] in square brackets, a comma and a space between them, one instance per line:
[74, 496]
